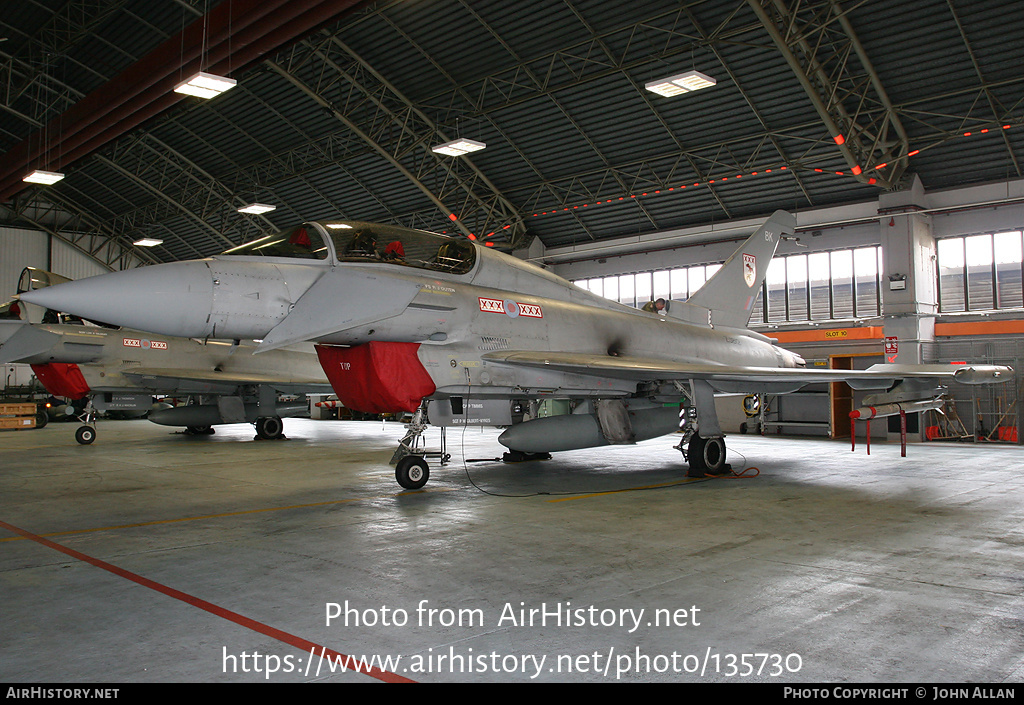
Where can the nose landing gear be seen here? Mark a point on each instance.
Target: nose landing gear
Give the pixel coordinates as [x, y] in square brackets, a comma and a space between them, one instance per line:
[411, 468]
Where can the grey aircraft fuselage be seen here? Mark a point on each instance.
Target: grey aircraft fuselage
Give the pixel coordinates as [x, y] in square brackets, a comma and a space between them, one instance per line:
[116, 360]
[127, 365]
[499, 304]
[424, 316]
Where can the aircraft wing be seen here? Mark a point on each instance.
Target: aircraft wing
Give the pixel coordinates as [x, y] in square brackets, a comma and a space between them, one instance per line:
[21, 341]
[734, 377]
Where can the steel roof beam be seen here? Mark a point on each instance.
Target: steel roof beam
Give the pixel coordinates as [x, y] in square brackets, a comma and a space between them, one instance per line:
[494, 125]
[852, 104]
[992, 103]
[239, 33]
[72, 226]
[532, 78]
[753, 108]
[398, 131]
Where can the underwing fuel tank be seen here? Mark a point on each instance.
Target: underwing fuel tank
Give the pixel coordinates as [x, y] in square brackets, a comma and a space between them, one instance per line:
[210, 414]
[575, 431]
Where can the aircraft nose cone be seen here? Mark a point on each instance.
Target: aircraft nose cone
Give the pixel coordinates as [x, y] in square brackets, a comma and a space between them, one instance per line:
[170, 299]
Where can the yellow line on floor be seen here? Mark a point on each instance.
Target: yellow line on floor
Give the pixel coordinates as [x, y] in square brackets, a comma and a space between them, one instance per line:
[633, 489]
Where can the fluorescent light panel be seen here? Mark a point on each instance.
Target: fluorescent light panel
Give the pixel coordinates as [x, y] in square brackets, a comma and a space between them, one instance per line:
[257, 208]
[456, 148]
[205, 85]
[148, 242]
[43, 177]
[681, 83]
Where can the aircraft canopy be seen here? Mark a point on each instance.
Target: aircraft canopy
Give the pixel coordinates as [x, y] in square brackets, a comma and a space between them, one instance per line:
[356, 241]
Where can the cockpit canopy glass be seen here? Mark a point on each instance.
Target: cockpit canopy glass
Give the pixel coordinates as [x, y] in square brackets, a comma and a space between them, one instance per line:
[371, 242]
[302, 242]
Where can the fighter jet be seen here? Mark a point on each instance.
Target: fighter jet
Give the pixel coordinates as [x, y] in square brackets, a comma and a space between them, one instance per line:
[407, 320]
[123, 369]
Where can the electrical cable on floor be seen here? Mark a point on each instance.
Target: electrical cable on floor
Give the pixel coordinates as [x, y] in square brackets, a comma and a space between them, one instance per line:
[465, 465]
[741, 474]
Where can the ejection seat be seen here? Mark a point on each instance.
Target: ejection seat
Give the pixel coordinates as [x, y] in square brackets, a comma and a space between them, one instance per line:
[363, 244]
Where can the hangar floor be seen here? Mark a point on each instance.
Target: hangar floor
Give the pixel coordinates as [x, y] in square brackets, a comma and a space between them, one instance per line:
[154, 556]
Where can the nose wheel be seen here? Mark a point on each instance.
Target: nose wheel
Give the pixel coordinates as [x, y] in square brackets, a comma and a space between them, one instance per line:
[411, 469]
[412, 472]
[85, 435]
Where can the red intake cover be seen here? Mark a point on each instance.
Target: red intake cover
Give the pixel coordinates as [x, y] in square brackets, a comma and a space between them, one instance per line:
[62, 380]
[377, 377]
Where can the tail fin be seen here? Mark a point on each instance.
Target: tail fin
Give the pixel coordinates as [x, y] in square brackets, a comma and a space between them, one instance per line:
[729, 295]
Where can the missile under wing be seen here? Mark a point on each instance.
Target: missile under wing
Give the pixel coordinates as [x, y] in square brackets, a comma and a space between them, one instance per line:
[404, 318]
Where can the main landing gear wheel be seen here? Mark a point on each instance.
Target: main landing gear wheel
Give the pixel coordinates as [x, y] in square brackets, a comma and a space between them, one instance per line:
[199, 430]
[412, 472]
[85, 435]
[269, 427]
[706, 456]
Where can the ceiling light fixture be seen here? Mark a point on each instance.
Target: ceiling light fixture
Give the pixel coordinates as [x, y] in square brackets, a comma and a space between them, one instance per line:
[148, 242]
[681, 83]
[456, 148]
[43, 177]
[257, 208]
[205, 85]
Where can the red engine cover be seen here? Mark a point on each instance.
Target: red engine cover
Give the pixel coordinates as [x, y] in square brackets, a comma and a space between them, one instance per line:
[377, 377]
[62, 379]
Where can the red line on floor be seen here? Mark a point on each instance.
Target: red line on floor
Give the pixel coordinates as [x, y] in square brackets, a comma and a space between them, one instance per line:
[298, 642]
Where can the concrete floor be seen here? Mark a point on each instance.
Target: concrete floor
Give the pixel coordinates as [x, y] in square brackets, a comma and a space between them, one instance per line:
[177, 558]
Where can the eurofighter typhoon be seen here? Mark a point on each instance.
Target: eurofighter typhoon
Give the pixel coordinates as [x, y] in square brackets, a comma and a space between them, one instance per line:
[406, 320]
[121, 370]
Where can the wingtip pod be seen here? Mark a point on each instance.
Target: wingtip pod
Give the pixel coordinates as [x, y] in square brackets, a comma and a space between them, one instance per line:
[965, 374]
[983, 374]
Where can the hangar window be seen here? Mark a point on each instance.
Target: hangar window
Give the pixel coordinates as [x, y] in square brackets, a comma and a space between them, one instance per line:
[980, 272]
[821, 286]
[813, 287]
[637, 289]
[627, 289]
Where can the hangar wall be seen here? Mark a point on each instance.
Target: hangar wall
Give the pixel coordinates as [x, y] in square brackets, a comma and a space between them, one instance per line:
[951, 212]
[20, 248]
[907, 225]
